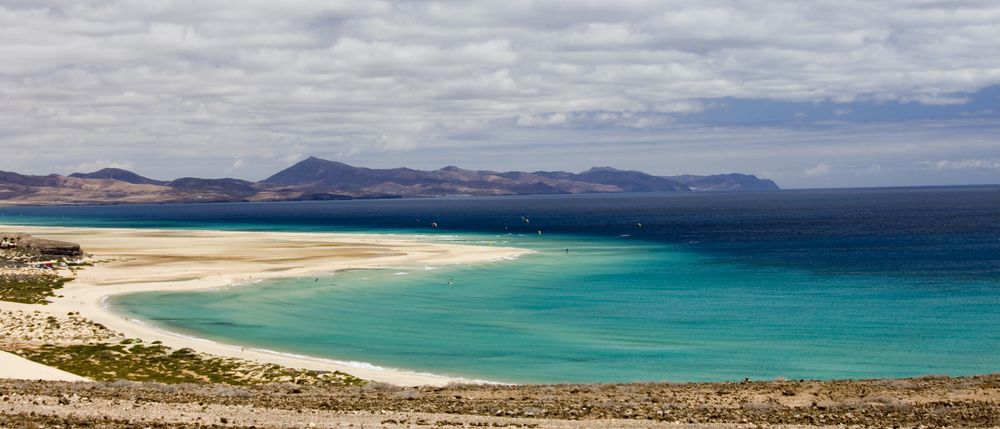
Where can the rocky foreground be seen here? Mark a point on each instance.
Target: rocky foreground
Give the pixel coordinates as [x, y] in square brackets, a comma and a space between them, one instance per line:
[918, 402]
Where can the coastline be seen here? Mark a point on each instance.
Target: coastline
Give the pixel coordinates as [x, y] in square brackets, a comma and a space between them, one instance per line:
[970, 401]
[147, 260]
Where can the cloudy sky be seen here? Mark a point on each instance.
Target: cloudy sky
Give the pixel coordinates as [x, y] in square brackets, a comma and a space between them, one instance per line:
[811, 94]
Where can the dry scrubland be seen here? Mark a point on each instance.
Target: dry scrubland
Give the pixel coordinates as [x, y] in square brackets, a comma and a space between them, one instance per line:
[89, 349]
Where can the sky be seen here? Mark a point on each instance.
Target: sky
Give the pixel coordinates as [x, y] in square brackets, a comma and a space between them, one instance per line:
[811, 94]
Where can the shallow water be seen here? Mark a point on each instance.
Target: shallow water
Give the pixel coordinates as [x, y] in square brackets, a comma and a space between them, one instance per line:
[605, 312]
[833, 284]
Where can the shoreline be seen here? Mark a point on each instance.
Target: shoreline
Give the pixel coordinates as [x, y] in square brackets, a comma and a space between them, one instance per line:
[149, 260]
[352, 367]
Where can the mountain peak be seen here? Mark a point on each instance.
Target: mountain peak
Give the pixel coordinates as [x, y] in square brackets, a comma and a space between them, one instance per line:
[312, 160]
[601, 169]
[631, 180]
[313, 171]
[118, 174]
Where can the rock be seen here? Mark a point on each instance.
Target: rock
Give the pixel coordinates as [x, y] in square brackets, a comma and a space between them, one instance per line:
[42, 247]
[55, 248]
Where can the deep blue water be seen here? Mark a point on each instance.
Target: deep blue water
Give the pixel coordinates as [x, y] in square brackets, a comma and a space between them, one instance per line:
[800, 284]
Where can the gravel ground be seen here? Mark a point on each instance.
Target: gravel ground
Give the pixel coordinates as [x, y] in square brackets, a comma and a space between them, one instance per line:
[919, 402]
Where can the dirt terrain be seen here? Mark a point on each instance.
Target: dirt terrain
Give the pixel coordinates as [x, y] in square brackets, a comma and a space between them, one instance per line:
[917, 402]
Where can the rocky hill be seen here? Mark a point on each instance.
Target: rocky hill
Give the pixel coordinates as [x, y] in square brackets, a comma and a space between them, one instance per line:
[118, 174]
[725, 182]
[25, 244]
[319, 179]
[322, 175]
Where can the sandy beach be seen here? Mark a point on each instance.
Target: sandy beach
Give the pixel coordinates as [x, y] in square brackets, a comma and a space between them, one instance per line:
[144, 260]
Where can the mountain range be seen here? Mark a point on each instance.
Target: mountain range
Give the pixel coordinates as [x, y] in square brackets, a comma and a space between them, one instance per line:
[319, 179]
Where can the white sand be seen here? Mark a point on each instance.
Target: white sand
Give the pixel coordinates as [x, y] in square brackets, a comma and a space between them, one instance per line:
[19, 368]
[142, 260]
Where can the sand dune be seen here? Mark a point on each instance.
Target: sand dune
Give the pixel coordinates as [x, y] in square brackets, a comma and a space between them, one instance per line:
[18, 368]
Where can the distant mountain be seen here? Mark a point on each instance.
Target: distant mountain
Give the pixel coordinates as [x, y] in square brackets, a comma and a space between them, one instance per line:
[14, 179]
[315, 174]
[233, 187]
[319, 179]
[55, 189]
[726, 182]
[631, 181]
[320, 173]
[118, 174]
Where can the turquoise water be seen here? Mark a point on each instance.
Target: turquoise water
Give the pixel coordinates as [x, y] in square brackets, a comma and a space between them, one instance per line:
[800, 284]
[609, 310]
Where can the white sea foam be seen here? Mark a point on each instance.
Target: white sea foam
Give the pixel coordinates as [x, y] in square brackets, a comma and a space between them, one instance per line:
[189, 337]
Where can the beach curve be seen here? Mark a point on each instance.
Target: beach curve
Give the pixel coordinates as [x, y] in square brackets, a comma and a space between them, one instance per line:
[148, 260]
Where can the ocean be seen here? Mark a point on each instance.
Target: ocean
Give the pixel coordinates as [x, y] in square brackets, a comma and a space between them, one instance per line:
[818, 284]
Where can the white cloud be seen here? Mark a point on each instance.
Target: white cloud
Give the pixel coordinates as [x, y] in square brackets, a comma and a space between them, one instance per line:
[963, 164]
[938, 100]
[535, 120]
[872, 169]
[155, 82]
[91, 166]
[820, 169]
[292, 157]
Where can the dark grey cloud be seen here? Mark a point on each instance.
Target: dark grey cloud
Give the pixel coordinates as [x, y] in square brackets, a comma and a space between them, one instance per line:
[241, 88]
